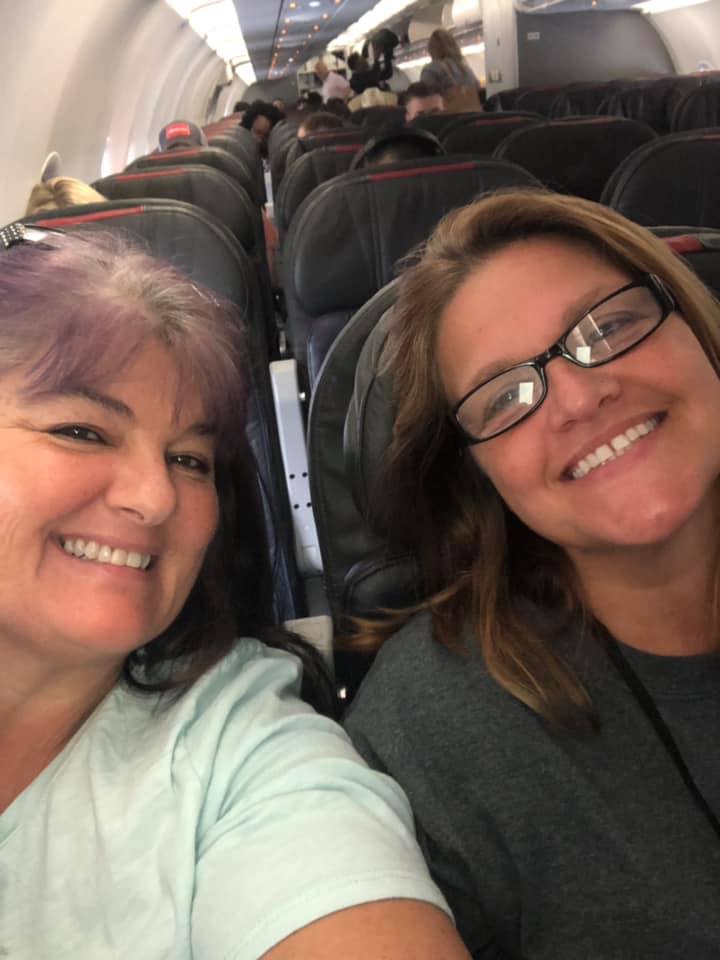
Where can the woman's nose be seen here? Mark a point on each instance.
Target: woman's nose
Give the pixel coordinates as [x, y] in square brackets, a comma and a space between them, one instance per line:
[577, 393]
[143, 486]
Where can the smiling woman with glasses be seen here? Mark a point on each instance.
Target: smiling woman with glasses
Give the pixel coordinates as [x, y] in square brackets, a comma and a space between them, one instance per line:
[551, 706]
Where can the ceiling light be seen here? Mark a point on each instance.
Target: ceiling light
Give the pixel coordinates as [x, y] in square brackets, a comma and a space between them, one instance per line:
[662, 6]
[473, 48]
[382, 12]
[314, 3]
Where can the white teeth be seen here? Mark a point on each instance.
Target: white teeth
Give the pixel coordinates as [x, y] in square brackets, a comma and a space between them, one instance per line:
[619, 443]
[615, 448]
[91, 550]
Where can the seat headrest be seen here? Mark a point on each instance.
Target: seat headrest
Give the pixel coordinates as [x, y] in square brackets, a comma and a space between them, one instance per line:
[181, 133]
[369, 419]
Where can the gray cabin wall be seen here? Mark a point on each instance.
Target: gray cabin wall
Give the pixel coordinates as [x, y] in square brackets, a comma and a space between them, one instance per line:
[594, 45]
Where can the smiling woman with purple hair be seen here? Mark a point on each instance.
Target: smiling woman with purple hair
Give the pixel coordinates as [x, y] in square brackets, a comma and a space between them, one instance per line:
[164, 790]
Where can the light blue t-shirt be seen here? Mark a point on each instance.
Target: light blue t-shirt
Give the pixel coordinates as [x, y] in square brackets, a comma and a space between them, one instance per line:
[211, 828]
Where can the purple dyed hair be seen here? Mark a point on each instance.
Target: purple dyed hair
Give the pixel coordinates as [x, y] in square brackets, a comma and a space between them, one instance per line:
[76, 312]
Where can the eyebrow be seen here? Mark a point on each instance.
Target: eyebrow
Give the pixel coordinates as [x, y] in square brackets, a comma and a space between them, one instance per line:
[571, 315]
[201, 428]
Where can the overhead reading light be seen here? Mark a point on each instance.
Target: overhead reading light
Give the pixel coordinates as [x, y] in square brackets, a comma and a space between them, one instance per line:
[216, 22]
[663, 6]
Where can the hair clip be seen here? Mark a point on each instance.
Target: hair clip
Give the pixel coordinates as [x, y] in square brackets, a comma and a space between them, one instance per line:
[16, 233]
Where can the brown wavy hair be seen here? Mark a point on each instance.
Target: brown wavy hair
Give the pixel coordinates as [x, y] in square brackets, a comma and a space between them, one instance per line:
[480, 565]
[443, 46]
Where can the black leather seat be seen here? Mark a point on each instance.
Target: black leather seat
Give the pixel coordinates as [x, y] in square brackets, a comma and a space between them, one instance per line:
[308, 172]
[375, 117]
[575, 156]
[673, 180]
[349, 429]
[583, 99]
[206, 250]
[651, 103]
[347, 237]
[698, 109]
[479, 136]
[344, 136]
[539, 99]
[439, 123]
[282, 136]
[504, 100]
[240, 171]
[241, 144]
[214, 192]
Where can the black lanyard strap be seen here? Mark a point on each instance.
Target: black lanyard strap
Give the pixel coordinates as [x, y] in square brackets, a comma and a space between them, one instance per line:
[649, 708]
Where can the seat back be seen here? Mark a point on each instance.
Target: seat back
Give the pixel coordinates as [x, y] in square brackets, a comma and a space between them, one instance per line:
[698, 109]
[212, 191]
[349, 429]
[308, 172]
[651, 103]
[207, 251]
[575, 156]
[672, 180]
[344, 136]
[214, 157]
[347, 237]
[376, 117]
[480, 136]
[583, 99]
[503, 100]
[241, 144]
[282, 137]
[439, 123]
[539, 99]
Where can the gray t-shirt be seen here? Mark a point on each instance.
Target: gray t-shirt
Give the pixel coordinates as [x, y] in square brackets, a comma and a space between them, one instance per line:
[550, 847]
[443, 75]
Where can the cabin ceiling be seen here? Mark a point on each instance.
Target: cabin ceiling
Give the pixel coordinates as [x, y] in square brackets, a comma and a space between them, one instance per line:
[310, 26]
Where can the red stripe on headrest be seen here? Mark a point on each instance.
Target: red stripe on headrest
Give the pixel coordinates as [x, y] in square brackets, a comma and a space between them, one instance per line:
[686, 243]
[490, 121]
[89, 217]
[416, 171]
[150, 174]
[164, 154]
[588, 120]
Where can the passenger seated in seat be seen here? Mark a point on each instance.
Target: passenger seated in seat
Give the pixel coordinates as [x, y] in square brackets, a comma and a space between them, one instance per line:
[60, 192]
[552, 707]
[420, 100]
[259, 119]
[395, 144]
[319, 122]
[164, 791]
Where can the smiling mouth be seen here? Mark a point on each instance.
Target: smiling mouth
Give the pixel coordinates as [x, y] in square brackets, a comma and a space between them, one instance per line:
[618, 446]
[94, 552]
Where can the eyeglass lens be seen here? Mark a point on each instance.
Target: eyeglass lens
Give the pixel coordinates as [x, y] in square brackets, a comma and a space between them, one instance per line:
[610, 329]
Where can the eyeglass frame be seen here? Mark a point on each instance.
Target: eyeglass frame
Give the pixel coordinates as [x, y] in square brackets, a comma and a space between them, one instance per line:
[650, 281]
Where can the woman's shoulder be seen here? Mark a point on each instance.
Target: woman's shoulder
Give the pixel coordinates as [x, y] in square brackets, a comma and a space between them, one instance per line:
[414, 671]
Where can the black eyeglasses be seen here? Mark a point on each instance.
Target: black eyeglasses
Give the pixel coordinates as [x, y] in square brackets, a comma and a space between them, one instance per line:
[612, 327]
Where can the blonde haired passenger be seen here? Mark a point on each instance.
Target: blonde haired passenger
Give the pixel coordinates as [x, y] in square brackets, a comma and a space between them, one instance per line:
[60, 192]
[450, 74]
[552, 708]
